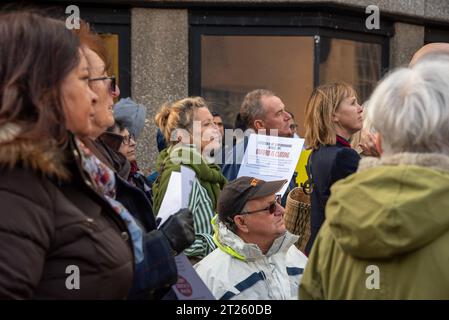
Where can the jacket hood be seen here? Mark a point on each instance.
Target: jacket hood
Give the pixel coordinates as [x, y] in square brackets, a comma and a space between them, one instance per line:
[44, 157]
[232, 244]
[392, 206]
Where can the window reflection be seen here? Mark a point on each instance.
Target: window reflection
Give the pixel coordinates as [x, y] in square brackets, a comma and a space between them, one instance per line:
[231, 66]
[357, 63]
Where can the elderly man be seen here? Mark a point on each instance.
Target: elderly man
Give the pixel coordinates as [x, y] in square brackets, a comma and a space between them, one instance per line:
[264, 113]
[256, 257]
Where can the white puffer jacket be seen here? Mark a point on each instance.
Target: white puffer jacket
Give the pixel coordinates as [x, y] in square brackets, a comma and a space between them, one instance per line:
[239, 270]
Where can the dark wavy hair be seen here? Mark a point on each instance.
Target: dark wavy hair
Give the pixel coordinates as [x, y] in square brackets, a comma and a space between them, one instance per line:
[36, 54]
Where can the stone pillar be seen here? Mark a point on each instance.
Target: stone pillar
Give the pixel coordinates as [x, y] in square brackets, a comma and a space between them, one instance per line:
[407, 40]
[159, 59]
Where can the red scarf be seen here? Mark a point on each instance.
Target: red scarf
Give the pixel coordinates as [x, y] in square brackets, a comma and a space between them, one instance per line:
[343, 141]
[134, 168]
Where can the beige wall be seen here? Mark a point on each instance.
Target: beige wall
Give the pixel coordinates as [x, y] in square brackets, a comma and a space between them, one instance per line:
[159, 59]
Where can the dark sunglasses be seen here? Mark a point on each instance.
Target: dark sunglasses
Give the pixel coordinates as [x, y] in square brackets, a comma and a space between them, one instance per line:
[112, 78]
[271, 208]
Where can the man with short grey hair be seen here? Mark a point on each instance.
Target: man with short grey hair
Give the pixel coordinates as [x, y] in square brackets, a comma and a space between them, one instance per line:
[264, 113]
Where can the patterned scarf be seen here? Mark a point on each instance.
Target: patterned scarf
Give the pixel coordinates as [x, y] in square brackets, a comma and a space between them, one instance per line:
[104, 180]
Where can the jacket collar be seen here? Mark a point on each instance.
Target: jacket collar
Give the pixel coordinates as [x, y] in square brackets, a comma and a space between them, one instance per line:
[232, 244]
[44, 157]
[428, 160]
[343, 142]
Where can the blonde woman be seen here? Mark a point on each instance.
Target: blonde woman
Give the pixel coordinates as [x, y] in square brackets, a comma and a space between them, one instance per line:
[332, 117]
[189, 130]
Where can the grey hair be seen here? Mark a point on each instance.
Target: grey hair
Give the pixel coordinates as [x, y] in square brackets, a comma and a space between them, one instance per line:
[252, 108]
[229, 221]
[410, 108]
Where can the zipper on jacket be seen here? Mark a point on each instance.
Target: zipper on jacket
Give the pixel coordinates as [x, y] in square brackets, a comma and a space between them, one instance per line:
[265, 281]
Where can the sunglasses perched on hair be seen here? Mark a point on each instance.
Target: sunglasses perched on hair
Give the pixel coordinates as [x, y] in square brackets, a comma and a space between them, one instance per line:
[112, 78]
[271, 208]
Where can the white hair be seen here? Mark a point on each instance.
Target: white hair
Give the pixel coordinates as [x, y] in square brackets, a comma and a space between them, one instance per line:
[410, 108]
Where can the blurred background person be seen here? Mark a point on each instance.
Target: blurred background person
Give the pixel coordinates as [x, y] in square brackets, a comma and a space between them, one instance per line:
[387, 228]
[333, 115]
[129, 123]
[293, 125]
[128, 149]
[364, 141]
[219, 123]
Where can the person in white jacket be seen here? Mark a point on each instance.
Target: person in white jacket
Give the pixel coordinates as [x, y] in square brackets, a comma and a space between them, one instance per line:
[256, 257]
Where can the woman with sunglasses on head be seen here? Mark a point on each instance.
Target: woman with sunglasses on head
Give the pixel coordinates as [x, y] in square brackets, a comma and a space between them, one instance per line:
[155, 267]
[60, 238]
[333, 115]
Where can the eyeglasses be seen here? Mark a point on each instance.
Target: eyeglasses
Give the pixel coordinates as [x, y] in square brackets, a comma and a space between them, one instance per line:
[127, 139]
[112, 78]
[271, 208]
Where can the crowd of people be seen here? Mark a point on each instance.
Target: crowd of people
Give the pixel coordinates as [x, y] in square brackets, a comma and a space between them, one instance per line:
[73, 197]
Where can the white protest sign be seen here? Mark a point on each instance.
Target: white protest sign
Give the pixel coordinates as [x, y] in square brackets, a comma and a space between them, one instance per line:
[271, 158]
[177, 194]
[187, 179]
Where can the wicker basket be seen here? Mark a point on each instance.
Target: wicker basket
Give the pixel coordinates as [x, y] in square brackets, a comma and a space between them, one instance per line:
[297, 216]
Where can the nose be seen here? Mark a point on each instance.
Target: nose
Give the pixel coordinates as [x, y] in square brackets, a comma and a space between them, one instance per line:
[132, 142]
[214, 125]
[279, 210]
[116, 92]
[360, 108]
[287, 116]
[93, 96]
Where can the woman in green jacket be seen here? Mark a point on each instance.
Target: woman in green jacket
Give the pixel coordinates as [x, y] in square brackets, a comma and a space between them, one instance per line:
[386, 234]
[192, 137]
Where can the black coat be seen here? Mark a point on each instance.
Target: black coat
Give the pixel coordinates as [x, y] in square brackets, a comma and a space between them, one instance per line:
[328, 164]
[157, 272]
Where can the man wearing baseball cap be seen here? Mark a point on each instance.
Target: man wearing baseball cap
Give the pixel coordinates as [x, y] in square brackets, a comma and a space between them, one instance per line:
[256, 257]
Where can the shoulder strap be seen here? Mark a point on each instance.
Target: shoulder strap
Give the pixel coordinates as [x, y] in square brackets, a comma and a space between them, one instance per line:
[307, 187]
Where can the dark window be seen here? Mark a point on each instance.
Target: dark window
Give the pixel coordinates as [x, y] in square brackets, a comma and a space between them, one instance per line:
[288, 52]
[114, 25]
[436, 34]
